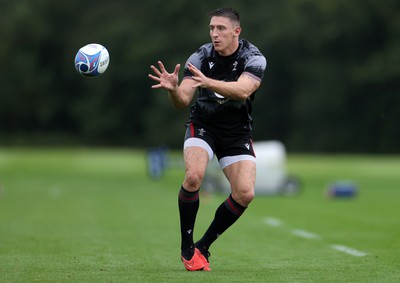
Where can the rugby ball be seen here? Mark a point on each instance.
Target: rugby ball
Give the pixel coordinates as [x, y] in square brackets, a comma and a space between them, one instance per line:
[92, 60]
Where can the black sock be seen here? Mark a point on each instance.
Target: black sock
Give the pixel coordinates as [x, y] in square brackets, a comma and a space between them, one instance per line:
[188, 203]
[227, 214]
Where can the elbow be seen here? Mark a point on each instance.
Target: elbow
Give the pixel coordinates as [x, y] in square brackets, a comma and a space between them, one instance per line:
[244, 95]
[179, 104]
[246, 92]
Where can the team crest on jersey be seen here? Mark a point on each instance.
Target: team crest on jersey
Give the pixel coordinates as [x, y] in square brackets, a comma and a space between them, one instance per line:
[201, 132]
[234, 66]
[222, 99]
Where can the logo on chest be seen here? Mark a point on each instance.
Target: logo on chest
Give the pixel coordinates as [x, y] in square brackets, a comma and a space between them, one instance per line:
[234, 66]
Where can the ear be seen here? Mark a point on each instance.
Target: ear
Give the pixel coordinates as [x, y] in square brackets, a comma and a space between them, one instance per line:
[237, 31]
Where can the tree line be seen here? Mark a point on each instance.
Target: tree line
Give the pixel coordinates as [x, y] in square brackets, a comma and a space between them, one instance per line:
[332, 82]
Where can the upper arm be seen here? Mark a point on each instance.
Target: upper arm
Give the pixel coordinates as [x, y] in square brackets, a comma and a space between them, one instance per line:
[253, 73]
[249, 83]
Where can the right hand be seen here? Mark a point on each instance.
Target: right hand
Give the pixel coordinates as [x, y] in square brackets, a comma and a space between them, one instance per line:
[168, 81]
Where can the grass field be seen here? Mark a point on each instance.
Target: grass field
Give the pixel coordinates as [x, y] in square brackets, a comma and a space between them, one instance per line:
[85, 215]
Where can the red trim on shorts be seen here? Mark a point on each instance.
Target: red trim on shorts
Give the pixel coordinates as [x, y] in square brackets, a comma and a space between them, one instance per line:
[191, 130]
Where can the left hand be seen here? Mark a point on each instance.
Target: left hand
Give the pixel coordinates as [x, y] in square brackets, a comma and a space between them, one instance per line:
[199, 77]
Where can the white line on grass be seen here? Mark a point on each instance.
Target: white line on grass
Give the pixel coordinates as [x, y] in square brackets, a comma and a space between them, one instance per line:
[305, 234]
[348, 250]
[271, 221]
[275, 222]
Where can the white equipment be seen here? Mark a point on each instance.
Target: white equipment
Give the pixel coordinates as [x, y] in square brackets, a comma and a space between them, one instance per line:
[271, 178]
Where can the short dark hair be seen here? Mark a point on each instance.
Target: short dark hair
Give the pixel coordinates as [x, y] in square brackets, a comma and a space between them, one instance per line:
[226, 12]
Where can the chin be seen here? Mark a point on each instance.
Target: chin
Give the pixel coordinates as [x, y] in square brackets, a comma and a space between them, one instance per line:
[218, 48]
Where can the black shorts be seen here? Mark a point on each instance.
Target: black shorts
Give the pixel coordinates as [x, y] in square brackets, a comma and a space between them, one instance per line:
[229, 147]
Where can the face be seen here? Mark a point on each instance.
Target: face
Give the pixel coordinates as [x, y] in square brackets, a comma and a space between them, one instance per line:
[224, 35]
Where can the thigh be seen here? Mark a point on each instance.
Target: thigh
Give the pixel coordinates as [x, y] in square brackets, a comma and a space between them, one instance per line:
[198, 151]
[196, 160]
[242, 177]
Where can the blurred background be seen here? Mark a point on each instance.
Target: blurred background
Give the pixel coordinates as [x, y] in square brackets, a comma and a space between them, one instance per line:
[332, 83]
[76, 154]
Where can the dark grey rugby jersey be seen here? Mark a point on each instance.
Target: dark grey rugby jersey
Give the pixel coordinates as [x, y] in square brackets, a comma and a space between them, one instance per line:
[210, 107]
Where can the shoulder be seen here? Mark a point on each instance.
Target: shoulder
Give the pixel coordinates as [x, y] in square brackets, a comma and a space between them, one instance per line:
[207, 48]
[203, 52]
[252, 54]
[198, 57]
[254, 61]
[249, 48]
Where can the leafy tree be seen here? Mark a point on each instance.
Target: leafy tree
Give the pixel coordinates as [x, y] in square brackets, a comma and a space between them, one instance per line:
[331, 85]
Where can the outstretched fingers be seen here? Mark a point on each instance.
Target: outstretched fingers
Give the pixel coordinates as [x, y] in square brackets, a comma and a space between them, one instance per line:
[164, 79]
[198, 76]
[176, 71]
[162, 68]
[155, 70]
[194, 70]
[155, 78]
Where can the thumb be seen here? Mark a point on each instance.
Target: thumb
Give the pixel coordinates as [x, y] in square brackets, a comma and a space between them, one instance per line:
[177, 67]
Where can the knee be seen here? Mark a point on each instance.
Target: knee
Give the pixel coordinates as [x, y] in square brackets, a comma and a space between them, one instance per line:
[244, 197]
[193, 180]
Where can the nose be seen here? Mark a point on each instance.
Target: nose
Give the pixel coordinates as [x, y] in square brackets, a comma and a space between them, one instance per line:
[214, 33]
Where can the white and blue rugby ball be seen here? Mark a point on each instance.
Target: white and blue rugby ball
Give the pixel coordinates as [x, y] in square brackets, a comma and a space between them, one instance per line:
[92, 60]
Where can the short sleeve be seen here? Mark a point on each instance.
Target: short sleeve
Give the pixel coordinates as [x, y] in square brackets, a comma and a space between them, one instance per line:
[256, 66]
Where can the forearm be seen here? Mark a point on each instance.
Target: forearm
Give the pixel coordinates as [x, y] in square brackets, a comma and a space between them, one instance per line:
[178, 98]
[241, 89]
[231, 90]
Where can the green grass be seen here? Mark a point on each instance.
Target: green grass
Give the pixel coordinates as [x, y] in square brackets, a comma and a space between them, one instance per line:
[84, 215]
